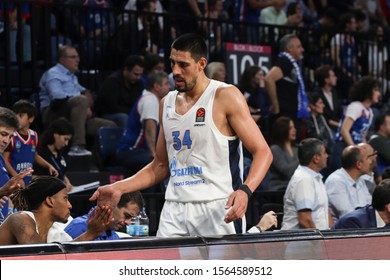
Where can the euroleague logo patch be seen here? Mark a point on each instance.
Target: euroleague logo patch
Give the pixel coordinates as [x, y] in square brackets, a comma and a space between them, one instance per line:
[200, 115]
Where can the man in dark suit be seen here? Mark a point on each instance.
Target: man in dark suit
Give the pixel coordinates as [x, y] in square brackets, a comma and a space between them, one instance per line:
[375, 215]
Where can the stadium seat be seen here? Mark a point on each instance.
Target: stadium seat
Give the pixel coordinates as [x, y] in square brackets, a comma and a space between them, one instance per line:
[108, 138]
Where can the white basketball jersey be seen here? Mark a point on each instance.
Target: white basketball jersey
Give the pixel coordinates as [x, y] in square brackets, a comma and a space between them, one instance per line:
[204, 164]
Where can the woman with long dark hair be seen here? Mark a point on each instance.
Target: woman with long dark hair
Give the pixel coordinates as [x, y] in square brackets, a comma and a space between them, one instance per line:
[285, 153]
[54, 139]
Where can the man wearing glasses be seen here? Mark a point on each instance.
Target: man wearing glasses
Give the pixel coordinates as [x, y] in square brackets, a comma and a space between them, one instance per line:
[61, 95]
[375, 176]
[346, 188]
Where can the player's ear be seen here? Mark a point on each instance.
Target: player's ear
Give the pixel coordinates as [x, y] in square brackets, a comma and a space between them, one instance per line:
[202, 63]
[49, 201]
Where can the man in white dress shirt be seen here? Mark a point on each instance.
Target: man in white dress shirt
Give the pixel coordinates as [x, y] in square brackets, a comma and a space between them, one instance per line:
[346, 188]
[305, 200]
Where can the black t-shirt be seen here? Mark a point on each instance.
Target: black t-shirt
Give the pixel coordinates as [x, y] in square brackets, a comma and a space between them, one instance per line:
[287, 88]
[58, 163]
[115, 97]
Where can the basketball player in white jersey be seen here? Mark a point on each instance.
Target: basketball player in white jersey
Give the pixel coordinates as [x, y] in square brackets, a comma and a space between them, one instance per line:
[199, 147]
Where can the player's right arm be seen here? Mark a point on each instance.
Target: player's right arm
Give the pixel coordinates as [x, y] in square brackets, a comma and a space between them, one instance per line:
[148, 176]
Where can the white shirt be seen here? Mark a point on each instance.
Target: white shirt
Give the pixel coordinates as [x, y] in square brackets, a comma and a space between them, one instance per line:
[55, 234]
[379, 221]
[305, 191]
[329, 98]
[345, 194]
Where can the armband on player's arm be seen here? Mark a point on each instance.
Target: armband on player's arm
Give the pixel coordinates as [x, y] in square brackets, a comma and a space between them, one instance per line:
[246, 189]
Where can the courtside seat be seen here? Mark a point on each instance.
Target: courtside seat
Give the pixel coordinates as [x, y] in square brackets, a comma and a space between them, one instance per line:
[108, 138]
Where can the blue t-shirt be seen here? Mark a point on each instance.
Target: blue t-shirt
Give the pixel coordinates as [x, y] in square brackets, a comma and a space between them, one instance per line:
[79, 225]
[4, 178]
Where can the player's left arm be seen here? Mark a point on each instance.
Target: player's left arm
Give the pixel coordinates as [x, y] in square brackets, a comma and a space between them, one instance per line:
[232, 104]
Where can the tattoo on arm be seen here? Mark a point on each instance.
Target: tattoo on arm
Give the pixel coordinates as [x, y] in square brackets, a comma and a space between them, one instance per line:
[24, 230]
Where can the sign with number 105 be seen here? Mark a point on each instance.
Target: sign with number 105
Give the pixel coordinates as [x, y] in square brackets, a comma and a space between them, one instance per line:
[239, 56]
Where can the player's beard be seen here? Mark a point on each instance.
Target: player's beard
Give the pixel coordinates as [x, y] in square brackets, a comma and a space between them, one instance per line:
[187, 86]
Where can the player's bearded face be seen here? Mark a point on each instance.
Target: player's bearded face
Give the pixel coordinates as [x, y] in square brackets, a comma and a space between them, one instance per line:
[187, 85]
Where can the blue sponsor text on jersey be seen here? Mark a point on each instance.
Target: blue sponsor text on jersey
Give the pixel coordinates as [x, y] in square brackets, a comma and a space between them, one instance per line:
[191, 170]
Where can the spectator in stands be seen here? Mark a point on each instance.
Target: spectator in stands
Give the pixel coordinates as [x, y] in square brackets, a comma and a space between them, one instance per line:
[139, 33]
[357, 118]
[88, 24]
[362, 24]
[21, 152]
[128, 207]
[344, 54]
[285, 153]
[131, 5]
[96, 28]
[137, 147]
[54, 139]
[61, 95]
[308, 10]
[216, 70]
[252, 85]
[152, 62]
[305, 200]
[346, 191]
[24, 30]
[327, 80]
[317, 126]
[374, 177]
[275, 14]
[9, 123]
[192, 12]
[247, 12]
[327, 20]
[120, 91]
[294, 15]
[148, 29]
[213, 29]
[285, 86]
[374, 215]
[317, 43]
[373, 10]
[380, 140]
[42, 203]
[94, 22]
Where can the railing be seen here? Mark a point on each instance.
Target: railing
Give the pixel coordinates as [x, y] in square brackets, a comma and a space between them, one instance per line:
[363, 244]
[105, 36]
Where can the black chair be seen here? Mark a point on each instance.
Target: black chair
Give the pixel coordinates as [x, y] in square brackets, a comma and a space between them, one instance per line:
[108, 138]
